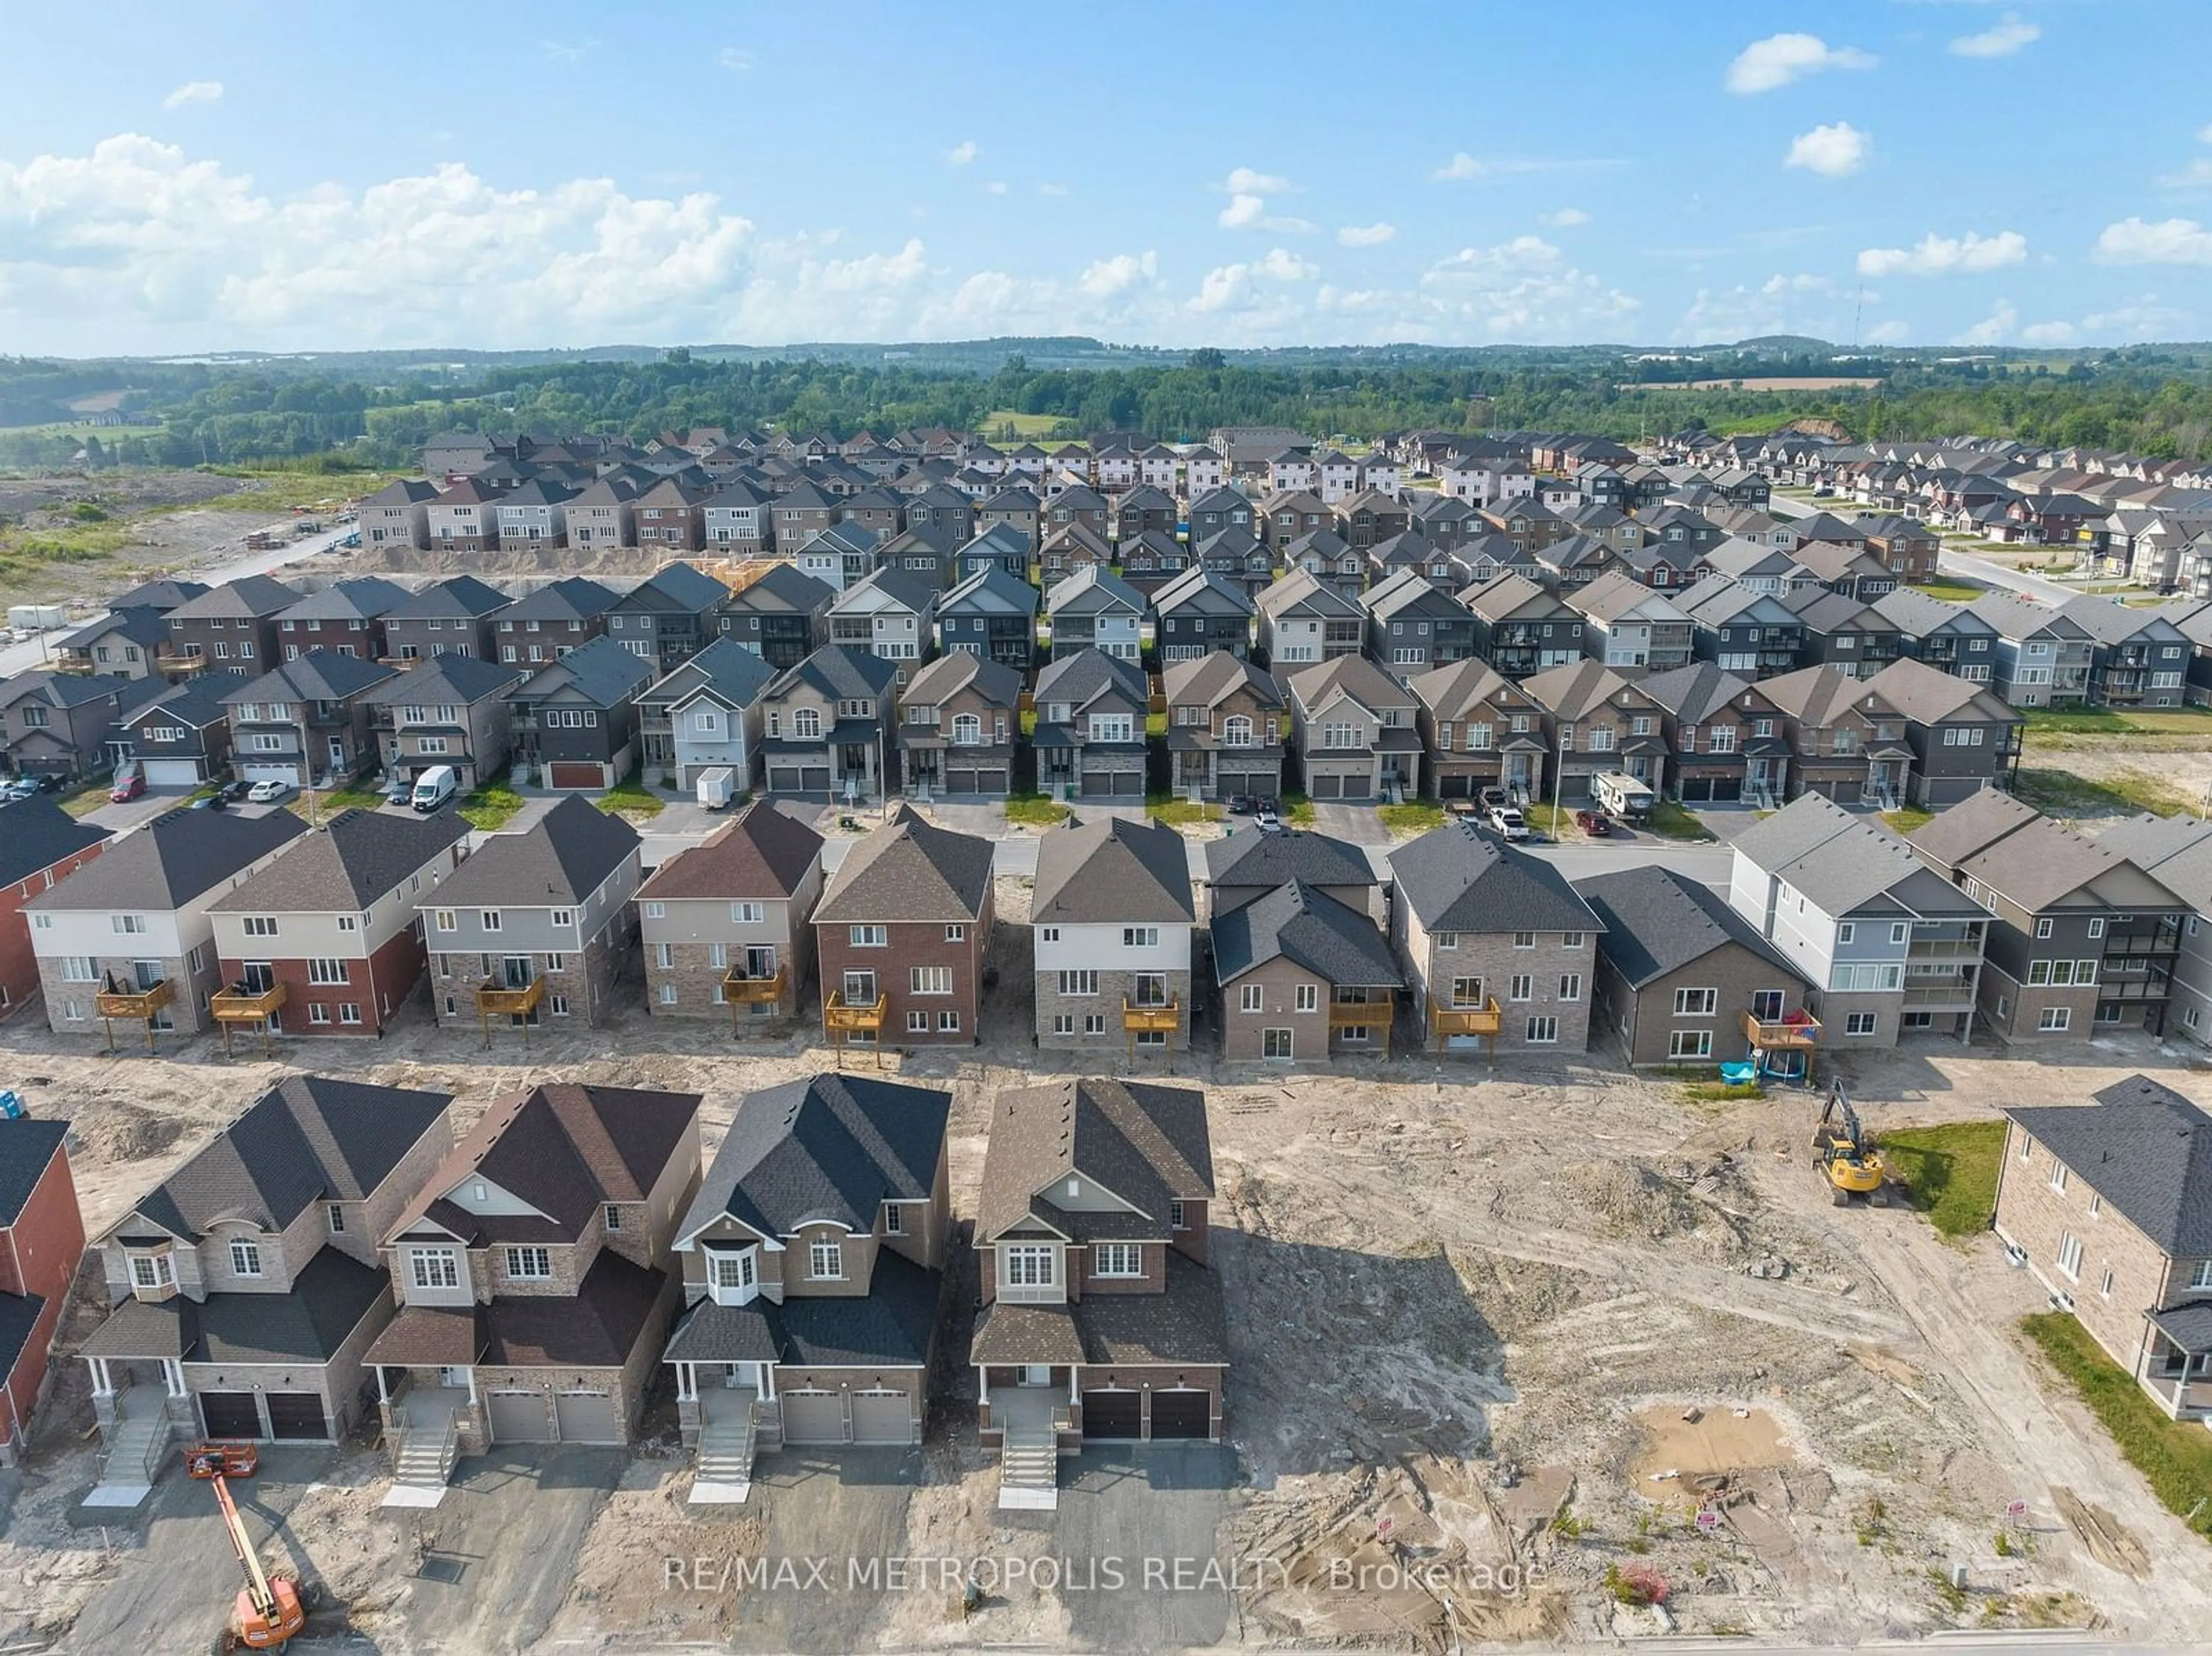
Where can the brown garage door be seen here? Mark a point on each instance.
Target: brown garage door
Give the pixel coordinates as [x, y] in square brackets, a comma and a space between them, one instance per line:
[1182, 1414]
[1112, 1414]
[579, 776]
[230, 1414]
[297, 1415]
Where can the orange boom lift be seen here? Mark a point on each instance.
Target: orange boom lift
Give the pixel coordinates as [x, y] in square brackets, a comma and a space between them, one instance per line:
[268, 1611]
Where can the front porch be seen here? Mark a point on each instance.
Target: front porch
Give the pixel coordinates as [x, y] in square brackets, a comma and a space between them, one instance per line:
[2177, 1365]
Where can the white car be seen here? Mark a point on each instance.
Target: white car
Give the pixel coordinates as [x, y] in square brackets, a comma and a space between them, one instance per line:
[263, 793]
[1509, 822]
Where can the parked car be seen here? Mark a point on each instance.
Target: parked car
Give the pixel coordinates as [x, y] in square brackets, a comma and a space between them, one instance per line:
[230, 793]
[1265, 819]
[1508, 823]
[1493, 796]
[23, 787]
[1241, 804]
[211, 802]
[127, 787]
[263, 793]
[1593, 824]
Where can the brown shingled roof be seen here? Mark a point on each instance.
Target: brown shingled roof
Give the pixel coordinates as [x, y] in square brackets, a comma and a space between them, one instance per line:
[763, 851]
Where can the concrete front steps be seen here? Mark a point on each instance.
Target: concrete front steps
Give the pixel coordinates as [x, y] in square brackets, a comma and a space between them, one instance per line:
[725, 1475]
[1028, 1472]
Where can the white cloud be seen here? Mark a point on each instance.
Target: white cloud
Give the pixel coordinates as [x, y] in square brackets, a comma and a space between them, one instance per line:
[961, 153]
[1935, 255]
[1834, 151]
[1052, 190]
[2195, 175]
[194, 92]
[1238, 287]
[1564, 219]
[1777, 60]
[1794, 303]
[2009, 34]
[2170, 242]
[1993, 329]
[736, 59]
[1367, 235]
[1892, 332]
[2046, 333]
[1121, 274]
[1244, 181]
[2205, 135]
[1461, 165]
[568, 52]
[1250, 212]
[1464, 165]
[1524, 289]
[1802, 282]
[2141, 319]
[996, 187]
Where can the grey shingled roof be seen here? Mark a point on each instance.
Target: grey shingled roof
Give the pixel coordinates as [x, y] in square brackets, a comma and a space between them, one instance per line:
[2146, 1149]
[1693, 693]
[558, 861]
[360, 599]
[438, 680]
[734, 676]
[1929, 695]
[319, 676]
[1305, 925]
[248, 596]
[1207, 680]
[2175, 851]
[835, 1147]
[603, 671]
[838, 671]
[308, 1324]
[994, 590]
[461, 595]
[1112, 871]
[1080, 678]
[1255, 858]
[1655, 922]
[1845, 864]
[909, 872]
[1461, 877]
[1145, 1142]
[1185, 1324]
[35, 834]
[575, 599]
[2013, 848]
[354, 859]
[168, 862]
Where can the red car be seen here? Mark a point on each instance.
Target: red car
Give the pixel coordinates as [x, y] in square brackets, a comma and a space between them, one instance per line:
[129, 788]
[1593, 824]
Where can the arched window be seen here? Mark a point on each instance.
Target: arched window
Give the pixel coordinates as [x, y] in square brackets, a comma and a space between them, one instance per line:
[967, 731]
[807, 723]
[1236, 731]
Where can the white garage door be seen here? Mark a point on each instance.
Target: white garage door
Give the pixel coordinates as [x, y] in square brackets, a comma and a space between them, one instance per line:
[813, 1418]
[588, 1417]
[171, 773]
[288, 774]
[518, 1417]
[882, 1417]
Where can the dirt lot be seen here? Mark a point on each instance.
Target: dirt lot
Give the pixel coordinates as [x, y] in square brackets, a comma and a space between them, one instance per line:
[1472, 1316]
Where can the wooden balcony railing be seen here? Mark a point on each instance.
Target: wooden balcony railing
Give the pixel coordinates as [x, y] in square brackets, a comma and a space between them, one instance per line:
[497, 998]
[1782, 1034]
[175, 665]
[740, 990]
[843, 1020]
[1373, 1015]
[1485, 1020]
[1145, 1020]
[237, 1004]
[143, 1004]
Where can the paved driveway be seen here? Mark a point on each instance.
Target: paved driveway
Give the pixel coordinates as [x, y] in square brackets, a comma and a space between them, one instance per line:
[987, 817]
[832, 1513]
[144, 808]
[1157, 1510]
[1360, 824]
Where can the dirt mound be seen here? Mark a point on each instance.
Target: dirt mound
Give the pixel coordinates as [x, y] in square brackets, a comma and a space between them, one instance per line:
[126, 1132]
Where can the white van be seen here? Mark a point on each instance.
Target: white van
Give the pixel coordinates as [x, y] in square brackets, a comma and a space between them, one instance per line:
[435, 787]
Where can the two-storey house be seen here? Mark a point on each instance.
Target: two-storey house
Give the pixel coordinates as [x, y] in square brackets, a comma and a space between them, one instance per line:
[547, 624]
[1479, 730]
[1236, 556]
[230, 629]
[574, 721]
[992, 612]
[1089, 733]
[1963, 737]
[1197, 614]
[1519, 628]
[2044, 655]
[42, 844]
[344, 619]
[889, 614]
[1225, 728]
[1846, 742]
[1113, 920]
[728, 925]
[535, 925]
[305, 721]
[1015, 509]
[1093, 609]
[668, 617]
[397, 516]
[1303, 976]
[121, 644]
[180, 737]
[996, 546]
[451, 710]
[960, 727]
[1742, 630]
[1214, 510]
[602, 518]
[706, 715]
[1413, 627]
[734, 519]
[66, 725]
[1629, 628]
[1304, 619]
[902, 931]
[446, 618]
[2176, 853]
[2137, 657]
[828, 725]
[782, 616]
[1356, 731]
[1598, 723]
[1948, 637]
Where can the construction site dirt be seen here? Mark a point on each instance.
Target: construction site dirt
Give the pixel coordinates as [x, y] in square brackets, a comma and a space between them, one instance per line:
[1501, 1340]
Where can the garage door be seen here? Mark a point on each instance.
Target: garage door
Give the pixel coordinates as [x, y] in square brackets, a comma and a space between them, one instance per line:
[813, 1418]
[1112, 1414]
[288, 774]
[783, 778]
[1455, 787]
[1697, 789]
[1260, 783]
[993, 782]
[575, 775]
[1359, 787]
[518, 1417]
[171, 773]
[297, 1415]
[230, 1414]
[588, 1417]
[1182, 1414]
[1328, 787]
[882, 1417]
[1727, 788]
[814, 779]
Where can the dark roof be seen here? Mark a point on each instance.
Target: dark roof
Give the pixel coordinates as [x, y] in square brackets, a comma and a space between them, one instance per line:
[1461, 877]
[327, 1302]
[893, 1324]
[1143, 1143]
[1083, 675]
[2146, 1149]
[434, 681]
[1845, 864]
[1655, 922]
[1207, 680]
[575, 599]
[1693, 693]
[159, 594]
[35, 834]
[998, 684]
[603, 671]
[1187, 1324]
[319, 676]
[838, 671]
[1304, 924]
[249, 595]
[309, 1138]
[462, 595]
[354, 859]
[1274, 859]
[992, 589]
[598, 1328]
[909, 870]
[561, 859]
[27, 1148]
[678, 587]
[169, 861]
[784, 587]
[832, 1147]
[734, 674]
[360, 599]
[762, 853]
[1112, 871]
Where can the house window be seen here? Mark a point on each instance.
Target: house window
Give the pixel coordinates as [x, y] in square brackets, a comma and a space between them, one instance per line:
[1079, 983]
[1049, 934]
[1571, 985]
[529, 1263]
[1446, 939]
[1690, 1043]
[2070, 1255]
[748, 913]
[825, 1260]
[1116, 1259]
[1063, 1023]
[258, 926]
[564, 917]
[730, 1272]
[153, 1271]
[488, 919]
[2043, 928]
[664, 955]
[931, 981]
[434, 1267]
[2054, 1019]
[1309, 997]
[336, 1215]
[956, 934]
[1524, 940]
[1542, 1032]
[1521, 987]
[447, 920]
[1846, 932]
[2058, 1176]
[894, 1219]
[244, 1258]
[1696, 1002]
[2097, 928]
[2201, 1278]
[1028, 1266]
[1140, 936]
[865, 937]
[1279, 1046]
[326, 971]
[1860, 1023]
[1251, 997]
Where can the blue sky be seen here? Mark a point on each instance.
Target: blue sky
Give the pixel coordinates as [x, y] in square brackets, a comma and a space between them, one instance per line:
[236, 175]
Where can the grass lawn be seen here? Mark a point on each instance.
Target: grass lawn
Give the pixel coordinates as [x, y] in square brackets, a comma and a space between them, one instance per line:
[85, 800]
[1035, 810]
[1296, 810]
[1546, 819]
[1179, 813]
[1906, 818]
[1950, 1171]
[631, 799]
[1950, 590]
[490, 806]
[1414, 816]
[1722, 1092]
[1028, 427]
[2108, 721]
[1670, 821]
[329, 804]
[278, 487]
[2061, 793]
[1156, 724]
[2175, 1458]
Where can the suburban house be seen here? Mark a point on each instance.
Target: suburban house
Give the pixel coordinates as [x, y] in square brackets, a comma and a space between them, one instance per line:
[121, 644]
[903, 930]
[1002, 546]
[1906, 545]
[734, 520]
[811, 1263]
[2176, 853]
[1724, 735]
[530, 1274]
[2043, 655]
[1226, 726]
[782, 616]
[43, 1234]
[1498, 949]
[1963, 737]
[1094, 610]
[1356, 730]
[1303, 976]
[230, 629]
[1891, 947]
[889, 613]
[246, 1287]
[1479, 730]
[2137, 657]
[1598, 723]
[728, 925]
[128, 935]
[1090, 734]
[574, 722]
[992, 612]
[1068, 551]
[323, 938]
[1113, 919]
[828, 724]
[397, 515]
[181, 737]
[1304, 619]
[1844, 741]
[537, 925]
[960, 727]
[305, 721]
[602, 516]
[449, 710]
[43, 845]
[705, 715]
[1152, 558]
[65, 725]
[1949, 637]
[2083, 936]
[1101, 1320]
[1412, 626]
[1215, 510]
[547, 624]
[1683, 979]
[465, 515]
[1746, 632]
[535, 517]
[1847, 634]
[2110, 1204]
[446, 618]
[346, 618]
[1519, 628]
[1629, 628]
[1015, 507]
[1198, 614]
[1239, 558]
[668, 616]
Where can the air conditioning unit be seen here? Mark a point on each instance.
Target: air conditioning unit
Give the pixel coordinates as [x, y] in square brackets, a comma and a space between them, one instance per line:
[2015, 1256]
[2063, 1302]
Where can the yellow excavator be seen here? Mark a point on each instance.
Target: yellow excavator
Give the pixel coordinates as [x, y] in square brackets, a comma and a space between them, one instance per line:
[1844, 1157]
[268, 1611]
